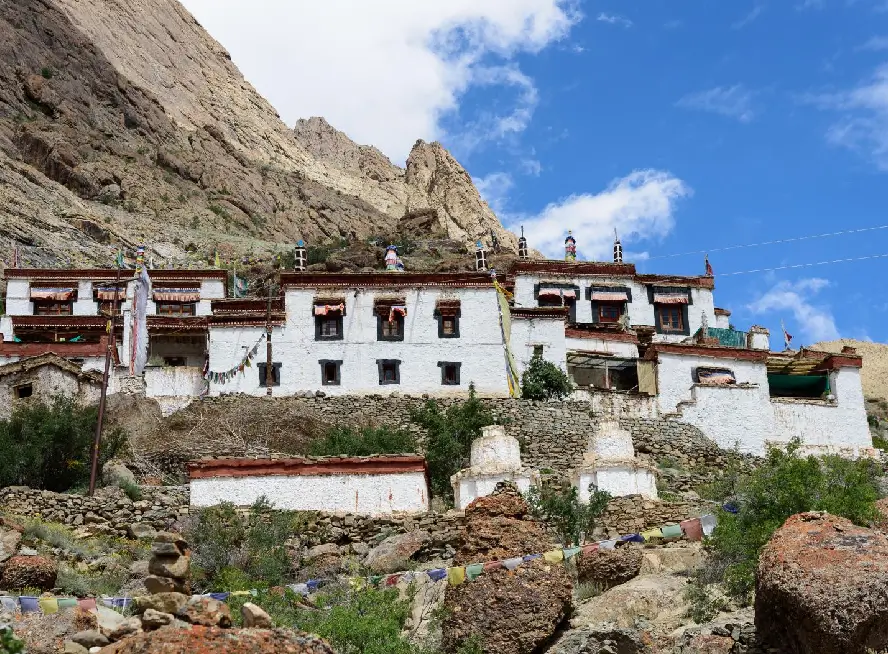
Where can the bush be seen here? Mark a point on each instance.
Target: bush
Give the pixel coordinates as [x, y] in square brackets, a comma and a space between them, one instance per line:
[784, 485]
[228, 549]
[450, 436]
[543, 380]
[131, 490]
[9, 644]
[561, 509]
[345, 441]
[48, 445]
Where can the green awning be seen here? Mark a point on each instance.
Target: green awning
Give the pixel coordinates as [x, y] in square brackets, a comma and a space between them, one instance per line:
[799, 385]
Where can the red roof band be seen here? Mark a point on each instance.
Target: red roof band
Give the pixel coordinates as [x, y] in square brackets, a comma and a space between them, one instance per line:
[376, 465]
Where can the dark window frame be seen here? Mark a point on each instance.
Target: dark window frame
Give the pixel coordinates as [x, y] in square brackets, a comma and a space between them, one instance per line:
[161, 309]
[275, 374]
[399, 320]
[455, 316]
[456, 365]
[381, 364]
[338, 378]
[599, 312]
[319, 320]
[44, 307]
[682, 312]
[17, 391]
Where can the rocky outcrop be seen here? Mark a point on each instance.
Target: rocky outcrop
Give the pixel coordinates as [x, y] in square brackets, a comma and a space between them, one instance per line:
[609, 568]
[511, 612]
[821, 587]
[657, 600]
[221, 641]
[29, 572]
[394, 552]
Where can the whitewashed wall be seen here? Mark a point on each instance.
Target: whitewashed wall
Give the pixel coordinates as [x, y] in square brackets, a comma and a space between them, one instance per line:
[175, 381]
[617, 348]
[732, 416]
[528, 333]
[18, 297]
[380, 494]
[618, 480]
[675, 376]
[479, 347]
[47, 382]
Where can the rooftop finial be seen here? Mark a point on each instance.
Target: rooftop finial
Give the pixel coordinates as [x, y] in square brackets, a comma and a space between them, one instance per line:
[522, 245]
[480, 256]
[618, 248]
[570, 247]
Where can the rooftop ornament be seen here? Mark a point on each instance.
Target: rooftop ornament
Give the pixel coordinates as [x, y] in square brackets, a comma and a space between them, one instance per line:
[300, 256]
[522, 245]
[570, 247]
[618, 248]
[480, 256]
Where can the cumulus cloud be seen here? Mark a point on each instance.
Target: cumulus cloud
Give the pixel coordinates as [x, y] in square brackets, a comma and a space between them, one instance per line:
[730, 101]
[863, 125]
[614, 19]
[814, 322]
[495, 188]
[388, 72]
[640, 205]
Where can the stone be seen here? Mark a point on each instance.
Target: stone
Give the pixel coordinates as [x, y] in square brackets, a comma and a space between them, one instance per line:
[821, 586]
[128, 627]
[172, 537]
[155, 584]
[394, 552]
[655, 599]
[176, 567]
[671, 560]
[319, 551]
[709, 644]
[29, 572]
[90, 638]
[107, 620]
[205, 611]
[600, 640]
[517, 612]
[609, 568]
[165, 550]
[70, 647]
[161, 602]
[221, 641]
[114, 472]
[254, 617]
[152, 619]
[360, 549]
[139, 568]
[9, 543]
[141, 531]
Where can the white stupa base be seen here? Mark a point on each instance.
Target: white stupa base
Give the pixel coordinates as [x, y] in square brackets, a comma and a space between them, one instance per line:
[468, 487]
[617, 479]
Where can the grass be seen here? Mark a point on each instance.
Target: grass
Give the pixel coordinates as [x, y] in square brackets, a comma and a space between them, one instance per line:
[220, 211]
[130, 489]
[587, 590]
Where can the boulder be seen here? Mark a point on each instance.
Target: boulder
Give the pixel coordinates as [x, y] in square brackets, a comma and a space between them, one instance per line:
[393, 554]
[90, 638]
[254, 617]
[708, 644]
[670, 560]
[205, 611]
[126, 628]
[9, 543]
[115, 473]
[155, 584]
[512, 612]
[175, 567]
[655, 599]
[141, 531]
[172, 537]
[821, 586]
[70, 647]
[161, 602]
[221, 641]
[601, 640]
[609, 568]
[29, 572]
[152, 619]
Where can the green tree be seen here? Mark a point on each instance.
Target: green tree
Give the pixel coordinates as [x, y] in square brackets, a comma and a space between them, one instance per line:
[560, 507]
[346, 441]
[543, 380]
[450, 436]
[48, 445]
[9, 644]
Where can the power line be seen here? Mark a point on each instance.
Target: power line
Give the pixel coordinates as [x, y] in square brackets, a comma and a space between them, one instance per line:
[776, 242]
[804, 265]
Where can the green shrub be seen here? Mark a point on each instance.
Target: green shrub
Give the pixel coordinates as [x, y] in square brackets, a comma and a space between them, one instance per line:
[9, 644]
[880, 442]
[224, 542]
[345, 441]
[543, 380]
[561, 509]
[48, 445]
[47, 72]
[784, 485]
[130, 489]
[450, 436]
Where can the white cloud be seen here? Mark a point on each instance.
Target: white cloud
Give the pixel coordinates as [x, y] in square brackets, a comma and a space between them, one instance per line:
[614, 19]
[863, 126]
[640, 206]
[387, 72]
[875, 44]
[810, 4]
[814, 322]
[730, 101]
[748, 18]
[494, 188]
[531, 166]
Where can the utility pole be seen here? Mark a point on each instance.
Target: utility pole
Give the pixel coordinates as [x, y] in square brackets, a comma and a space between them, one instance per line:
[269, 364]
[111, 344]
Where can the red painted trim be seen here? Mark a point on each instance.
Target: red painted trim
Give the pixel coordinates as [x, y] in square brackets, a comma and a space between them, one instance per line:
[247, 306]
[195, 323]
[246, 320]
[57, 274]
[8, 349]
[60, 322]
[841, 361]
[380, 279]
[539, 312]
[677, 280]
[207, 469]
[706, 351]
[572, 332]
[572, 268]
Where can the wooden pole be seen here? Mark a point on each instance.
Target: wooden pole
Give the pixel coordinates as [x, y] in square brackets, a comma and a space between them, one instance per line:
[111, 344]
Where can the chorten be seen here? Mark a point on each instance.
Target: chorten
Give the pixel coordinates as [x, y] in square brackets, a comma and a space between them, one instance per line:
[609, 464]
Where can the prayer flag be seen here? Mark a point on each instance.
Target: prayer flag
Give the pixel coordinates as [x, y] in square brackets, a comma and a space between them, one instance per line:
[391, 580]
[553, 556]
[589, 549]
[29, 604]
[512, 564]
[692, 529]
[570, 552]
[671, 531]
[531, 557]
[87, 604]
[632, 538]
[708, 523]
[492, 565]
[67, 603]
[220, 597]
[436, 574]
[455, 576]
[474, 571]
[243, 593]
[652, 534]
[48, 605]
[607, 545]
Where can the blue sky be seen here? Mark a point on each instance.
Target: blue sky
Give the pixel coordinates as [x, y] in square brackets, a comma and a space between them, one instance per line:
[687, 126]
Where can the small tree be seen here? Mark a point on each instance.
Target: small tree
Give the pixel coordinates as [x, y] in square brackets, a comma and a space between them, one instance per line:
[543, 380]
[561, 509]
[345, 441]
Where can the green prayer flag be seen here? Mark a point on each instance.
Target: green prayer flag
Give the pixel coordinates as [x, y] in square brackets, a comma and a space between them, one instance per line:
[474, 571]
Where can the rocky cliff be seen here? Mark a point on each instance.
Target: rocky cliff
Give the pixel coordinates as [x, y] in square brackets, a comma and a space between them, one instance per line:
[126, 122]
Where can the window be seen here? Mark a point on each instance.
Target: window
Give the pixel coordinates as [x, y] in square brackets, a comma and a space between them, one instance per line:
[609, 311]
[390, 330]
[549, 297]
[537, 350]
[670, 318]
[23, 391]
[328, 328]
[449, 373]
[389, 371]
[330, 372]
[275, 374]
[176, 309]
[53, 308]
[448, 326]
[175, 362]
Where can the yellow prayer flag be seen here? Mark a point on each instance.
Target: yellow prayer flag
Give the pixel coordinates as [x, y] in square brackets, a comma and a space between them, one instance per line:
[554, 556]
[455, 576]
[651, 534]
[48, 605]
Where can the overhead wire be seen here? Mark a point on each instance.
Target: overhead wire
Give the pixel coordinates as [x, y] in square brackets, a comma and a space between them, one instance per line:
[804, 265]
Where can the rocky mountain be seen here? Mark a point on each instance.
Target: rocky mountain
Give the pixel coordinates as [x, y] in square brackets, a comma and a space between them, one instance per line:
[874, 374]
[125, 123]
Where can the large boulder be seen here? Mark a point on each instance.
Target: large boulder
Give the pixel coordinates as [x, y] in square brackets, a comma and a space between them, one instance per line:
[10, 539]
[221, 641]
[394, 553]
[115, 473]
[821, 586]
[609, 568]
[205, 611]
[655, 600]
[511, 612]
[29, 572]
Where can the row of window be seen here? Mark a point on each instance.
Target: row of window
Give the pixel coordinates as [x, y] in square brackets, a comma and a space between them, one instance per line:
[330, 328]
[669, 317]
[66, 308]
[389, 372]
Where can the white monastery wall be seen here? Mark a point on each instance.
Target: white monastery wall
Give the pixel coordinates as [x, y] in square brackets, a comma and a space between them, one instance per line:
[528, 333]
[18, 298]
[366, 494]
[618, 480]
[620, 349]
[732, 416]
[615, 403]
[174, 381]
[675, 376]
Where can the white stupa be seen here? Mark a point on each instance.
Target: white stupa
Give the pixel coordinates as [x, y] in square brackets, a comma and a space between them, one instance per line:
[495, 457]
[610, 465]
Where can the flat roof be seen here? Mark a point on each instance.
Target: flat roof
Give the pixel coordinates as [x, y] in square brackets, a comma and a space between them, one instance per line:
[337, 465]
[385, 279]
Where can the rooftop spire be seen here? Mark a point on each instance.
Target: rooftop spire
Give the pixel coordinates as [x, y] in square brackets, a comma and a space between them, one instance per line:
[618, 248]
[570, 247]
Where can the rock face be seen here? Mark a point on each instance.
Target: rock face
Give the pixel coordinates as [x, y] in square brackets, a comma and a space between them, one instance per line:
[119, 121]
[821, 587]
[393, 553]
[511, 612]
[609, 568]
[655, 599]
[29, 572]
[221, 641]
